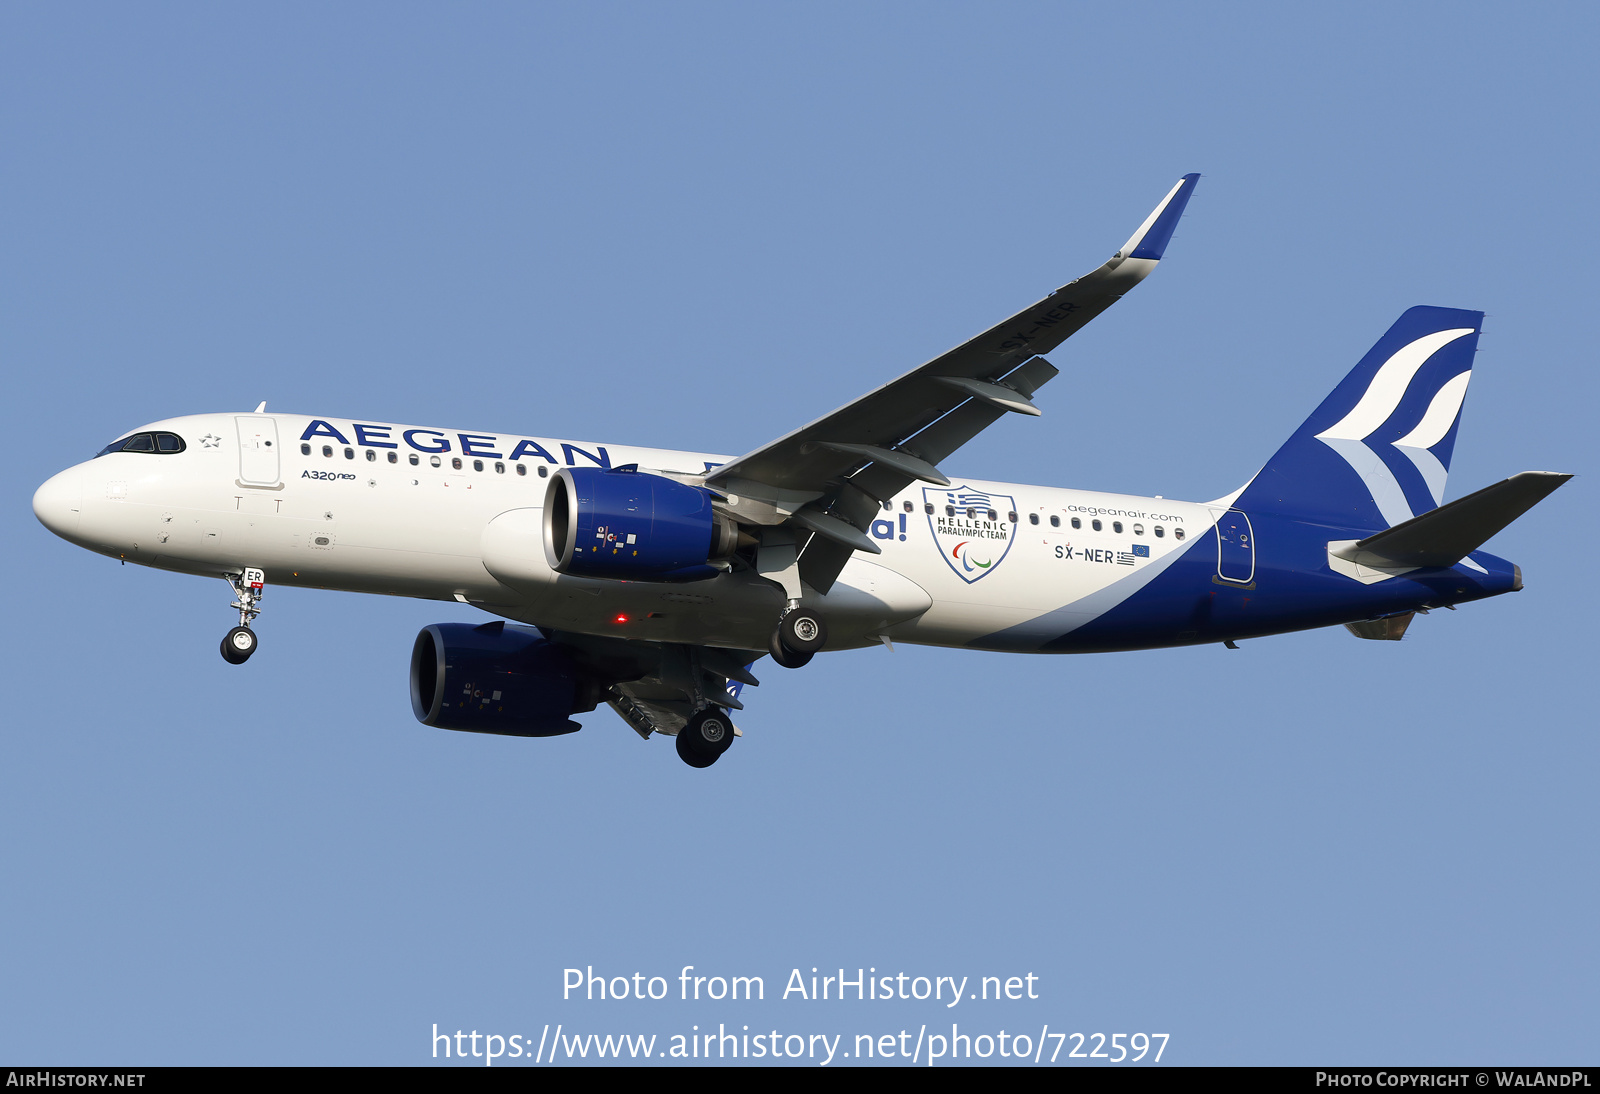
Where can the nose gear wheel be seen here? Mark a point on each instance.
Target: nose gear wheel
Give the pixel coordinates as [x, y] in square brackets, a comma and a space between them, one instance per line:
[237, 645]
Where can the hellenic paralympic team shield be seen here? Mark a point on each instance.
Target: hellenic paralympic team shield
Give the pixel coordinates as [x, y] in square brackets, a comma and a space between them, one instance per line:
[973, 529]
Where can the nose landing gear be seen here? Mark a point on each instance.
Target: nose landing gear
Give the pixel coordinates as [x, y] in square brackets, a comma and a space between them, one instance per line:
[248, 588]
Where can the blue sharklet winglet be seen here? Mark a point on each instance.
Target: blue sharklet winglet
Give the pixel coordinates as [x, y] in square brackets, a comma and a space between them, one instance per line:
[1151, 240]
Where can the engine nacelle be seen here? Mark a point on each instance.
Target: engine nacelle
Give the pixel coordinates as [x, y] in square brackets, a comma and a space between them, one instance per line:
[493, 679]
[632, 525]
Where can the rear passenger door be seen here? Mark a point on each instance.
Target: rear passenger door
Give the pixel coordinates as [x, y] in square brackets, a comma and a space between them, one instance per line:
[1236, 548]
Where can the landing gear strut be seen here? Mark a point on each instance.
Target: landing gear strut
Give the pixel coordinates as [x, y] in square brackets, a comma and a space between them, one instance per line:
[705, 737]
[248, 588]
[800, 634]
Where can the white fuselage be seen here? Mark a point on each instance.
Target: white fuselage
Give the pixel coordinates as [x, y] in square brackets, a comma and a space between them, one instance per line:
[451, 515]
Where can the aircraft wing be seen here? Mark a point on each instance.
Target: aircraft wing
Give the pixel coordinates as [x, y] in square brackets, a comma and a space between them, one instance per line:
[828, 478]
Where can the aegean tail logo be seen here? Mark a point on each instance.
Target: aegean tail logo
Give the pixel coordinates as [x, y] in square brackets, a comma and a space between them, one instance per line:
[973, 528]
[1349, 436]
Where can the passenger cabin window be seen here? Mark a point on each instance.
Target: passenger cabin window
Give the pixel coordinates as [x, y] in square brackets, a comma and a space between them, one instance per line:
[394, 457]
[1158, 531]
[1033, 518]
[499, 469]
[1138, 529]
[908, 507]
[477, 465]
[1095, 524]
[544, 472]
[455, 462]
[1076, 523]
[927, 508]
[349, 453]
[1177, 533]
[433, 461]
[888, 506]
[327, 451]
[1055, 521]
[1012, 517]
[372, 457]
[522, 469]
[993, 515]
[949, 510]
[305, 450]
[414, 458]
[1116, 526]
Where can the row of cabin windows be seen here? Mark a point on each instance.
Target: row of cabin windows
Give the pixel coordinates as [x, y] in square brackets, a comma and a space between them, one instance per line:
[433, 461]
[1098, 525]
[1116, 526]
[1033, 518]
[951, 510]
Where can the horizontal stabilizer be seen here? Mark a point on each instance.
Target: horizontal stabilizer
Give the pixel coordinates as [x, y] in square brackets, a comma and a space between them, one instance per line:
[1446, 535]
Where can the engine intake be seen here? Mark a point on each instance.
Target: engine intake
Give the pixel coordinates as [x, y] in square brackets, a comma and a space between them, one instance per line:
[493, 679]
[632, 525]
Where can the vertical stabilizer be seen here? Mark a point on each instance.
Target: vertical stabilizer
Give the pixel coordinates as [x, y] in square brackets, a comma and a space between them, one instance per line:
[1377, 451]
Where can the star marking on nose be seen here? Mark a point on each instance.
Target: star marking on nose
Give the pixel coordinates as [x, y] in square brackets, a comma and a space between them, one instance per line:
[211, 440]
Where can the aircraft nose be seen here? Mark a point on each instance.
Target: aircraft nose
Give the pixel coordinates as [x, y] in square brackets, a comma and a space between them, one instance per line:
[59, 502]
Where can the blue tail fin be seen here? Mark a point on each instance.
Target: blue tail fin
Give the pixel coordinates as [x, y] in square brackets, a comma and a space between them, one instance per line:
[1376, 452]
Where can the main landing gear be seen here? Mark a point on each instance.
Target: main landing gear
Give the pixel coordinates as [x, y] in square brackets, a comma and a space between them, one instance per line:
[248, 588]
[706, 736]
[800, 634]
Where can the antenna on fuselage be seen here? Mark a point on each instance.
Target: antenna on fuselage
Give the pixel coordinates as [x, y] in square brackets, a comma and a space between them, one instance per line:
[261, 409]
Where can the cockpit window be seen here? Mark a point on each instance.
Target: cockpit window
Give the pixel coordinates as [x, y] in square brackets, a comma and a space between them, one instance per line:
[161, 443]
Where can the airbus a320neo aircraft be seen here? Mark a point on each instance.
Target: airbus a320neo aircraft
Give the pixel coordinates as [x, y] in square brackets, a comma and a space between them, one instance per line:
[651, 581]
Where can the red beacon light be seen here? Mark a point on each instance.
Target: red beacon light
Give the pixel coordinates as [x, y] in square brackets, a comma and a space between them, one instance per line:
[620, 619]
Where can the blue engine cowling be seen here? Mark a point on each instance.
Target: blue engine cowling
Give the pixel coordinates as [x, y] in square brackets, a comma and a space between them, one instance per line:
[492, 679]
[632, 525]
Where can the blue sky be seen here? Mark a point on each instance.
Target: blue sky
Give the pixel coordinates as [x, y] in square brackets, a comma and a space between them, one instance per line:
[698, 226]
